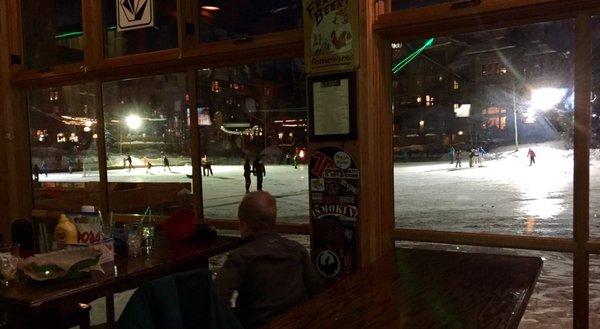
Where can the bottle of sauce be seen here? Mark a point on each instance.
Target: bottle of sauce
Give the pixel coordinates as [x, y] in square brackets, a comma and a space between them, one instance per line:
[65, 232]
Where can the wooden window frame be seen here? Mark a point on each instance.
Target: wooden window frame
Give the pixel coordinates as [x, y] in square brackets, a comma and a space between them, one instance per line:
[442, 20]
[190, 56]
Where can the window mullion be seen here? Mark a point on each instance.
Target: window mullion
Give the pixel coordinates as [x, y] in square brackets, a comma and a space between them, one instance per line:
[581, 179]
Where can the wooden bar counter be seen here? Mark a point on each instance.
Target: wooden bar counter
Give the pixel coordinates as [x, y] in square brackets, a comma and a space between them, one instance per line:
[414, 288]
[31, 304]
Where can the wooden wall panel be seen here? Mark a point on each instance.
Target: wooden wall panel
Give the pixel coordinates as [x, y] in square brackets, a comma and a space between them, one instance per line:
[15, 170]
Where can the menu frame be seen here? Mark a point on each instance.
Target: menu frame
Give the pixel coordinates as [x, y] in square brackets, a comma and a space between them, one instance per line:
[313, 111]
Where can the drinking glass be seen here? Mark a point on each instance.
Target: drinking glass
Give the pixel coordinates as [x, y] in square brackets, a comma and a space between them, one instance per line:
[148, 235]
[134, 239]
[9, 261]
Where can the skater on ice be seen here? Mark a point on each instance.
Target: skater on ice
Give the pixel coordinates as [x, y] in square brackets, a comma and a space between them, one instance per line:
[148, 164]
[166, 163]
[247, 172]
[471, 158]
[259, 172]
[481, 152]
[128, 162]
[70, 165]
[531, 156]
[45, 168]
[207, 167]
[452, 153]
[36, 173]
[458, 158]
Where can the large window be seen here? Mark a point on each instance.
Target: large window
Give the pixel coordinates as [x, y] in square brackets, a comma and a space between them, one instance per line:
[64, 154]
[234, 19]
[162, 35]
[147, 144]
[254, 111]
[481, 120]
[52, 32]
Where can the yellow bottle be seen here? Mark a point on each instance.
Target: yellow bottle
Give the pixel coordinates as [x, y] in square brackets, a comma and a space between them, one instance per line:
[65, 232]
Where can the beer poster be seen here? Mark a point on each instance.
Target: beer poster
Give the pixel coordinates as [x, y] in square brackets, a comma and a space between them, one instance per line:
[331, 35]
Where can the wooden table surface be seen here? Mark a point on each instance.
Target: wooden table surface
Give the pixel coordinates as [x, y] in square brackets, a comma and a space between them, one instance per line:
[415, 288]
[125, 273]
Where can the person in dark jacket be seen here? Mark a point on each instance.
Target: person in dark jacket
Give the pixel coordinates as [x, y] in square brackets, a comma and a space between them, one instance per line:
[458, 158]
[36, 173]
[270, 273]
[70, 165]
[247, 172]
[166, 163]
[531, 156]
[45, 168]
[258, 168]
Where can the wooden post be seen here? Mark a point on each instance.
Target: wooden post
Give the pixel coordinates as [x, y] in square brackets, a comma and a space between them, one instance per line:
[581, 179]
[93, 33]
[101, 147]
[192, 88]
[374, 151]
[15, 168]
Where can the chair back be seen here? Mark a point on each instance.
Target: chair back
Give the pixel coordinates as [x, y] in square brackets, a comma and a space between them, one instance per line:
[21, 231]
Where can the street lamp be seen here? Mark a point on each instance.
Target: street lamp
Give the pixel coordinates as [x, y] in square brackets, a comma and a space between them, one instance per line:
[133, 121]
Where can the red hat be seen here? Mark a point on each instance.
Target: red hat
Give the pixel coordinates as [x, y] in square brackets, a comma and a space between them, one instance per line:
[180, 226]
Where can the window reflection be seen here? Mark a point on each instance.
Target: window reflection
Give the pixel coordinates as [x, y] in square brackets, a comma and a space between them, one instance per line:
[231, 19]
[64, 153]
[147, 144]
[467, 110]
[163, 35]
[52, 32]
[248, 112]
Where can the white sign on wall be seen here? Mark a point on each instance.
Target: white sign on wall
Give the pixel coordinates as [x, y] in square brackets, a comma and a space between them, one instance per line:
[134, 14]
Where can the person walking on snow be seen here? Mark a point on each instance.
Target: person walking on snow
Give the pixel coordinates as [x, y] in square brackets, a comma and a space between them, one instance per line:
[531, 156]
[452, 152]
[458, 158]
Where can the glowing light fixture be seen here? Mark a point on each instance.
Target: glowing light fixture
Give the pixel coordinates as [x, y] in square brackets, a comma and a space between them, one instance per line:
[544, 99]
[211, 8]
[133, 121]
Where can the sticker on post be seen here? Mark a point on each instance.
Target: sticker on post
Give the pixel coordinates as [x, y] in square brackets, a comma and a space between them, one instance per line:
[328, 264]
